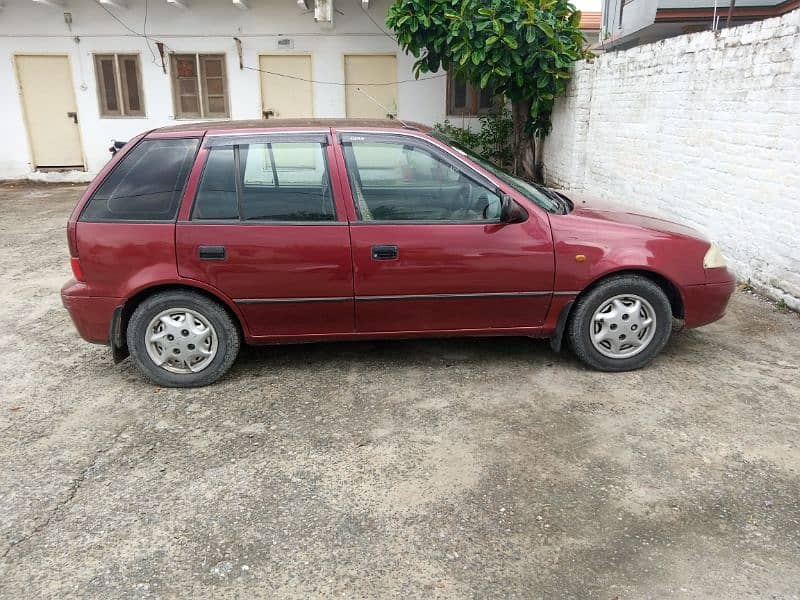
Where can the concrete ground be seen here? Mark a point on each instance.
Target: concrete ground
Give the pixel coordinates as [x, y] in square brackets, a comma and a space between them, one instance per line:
[450, 469]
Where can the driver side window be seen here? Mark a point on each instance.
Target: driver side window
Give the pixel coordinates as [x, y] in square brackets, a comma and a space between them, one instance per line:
[394, 180]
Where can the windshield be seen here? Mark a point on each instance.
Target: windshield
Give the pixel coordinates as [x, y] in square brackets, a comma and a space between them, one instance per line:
[547, 199]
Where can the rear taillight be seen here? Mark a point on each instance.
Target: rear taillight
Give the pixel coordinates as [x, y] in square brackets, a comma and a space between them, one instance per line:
[75, 263]
[72, 238]
[72, 242]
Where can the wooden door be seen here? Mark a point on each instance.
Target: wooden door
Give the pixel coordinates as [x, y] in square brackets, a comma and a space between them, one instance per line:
[372, 88]
[51, 115]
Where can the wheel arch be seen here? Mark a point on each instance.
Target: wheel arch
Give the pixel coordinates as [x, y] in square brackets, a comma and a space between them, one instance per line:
[670, 289]
[122, 314]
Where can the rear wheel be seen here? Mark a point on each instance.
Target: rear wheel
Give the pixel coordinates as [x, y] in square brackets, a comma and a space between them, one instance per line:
[182, 339]
[622, 324]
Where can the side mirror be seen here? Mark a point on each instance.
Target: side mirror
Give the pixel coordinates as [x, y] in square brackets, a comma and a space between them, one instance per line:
[510, 211]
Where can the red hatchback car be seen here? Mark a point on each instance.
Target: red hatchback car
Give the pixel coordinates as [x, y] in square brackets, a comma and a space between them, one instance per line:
[196, 237]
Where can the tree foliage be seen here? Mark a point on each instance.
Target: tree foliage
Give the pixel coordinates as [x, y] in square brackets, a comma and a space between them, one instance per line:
[520, 49]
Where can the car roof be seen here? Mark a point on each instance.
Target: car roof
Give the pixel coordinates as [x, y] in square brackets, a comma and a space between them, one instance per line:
[284, 124]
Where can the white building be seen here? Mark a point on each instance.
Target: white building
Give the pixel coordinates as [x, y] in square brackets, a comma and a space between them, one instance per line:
[88, 71]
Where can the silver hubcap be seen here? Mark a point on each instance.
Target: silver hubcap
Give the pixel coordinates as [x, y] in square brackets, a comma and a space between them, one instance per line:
[623, 326]
[181, 340]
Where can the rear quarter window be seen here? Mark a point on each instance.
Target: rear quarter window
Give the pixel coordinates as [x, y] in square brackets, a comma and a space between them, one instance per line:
[147, 183]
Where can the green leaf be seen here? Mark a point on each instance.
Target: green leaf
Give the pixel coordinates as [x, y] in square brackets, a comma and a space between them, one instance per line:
[546, 28]
[485, 79]
[492, 40]
[510, 42]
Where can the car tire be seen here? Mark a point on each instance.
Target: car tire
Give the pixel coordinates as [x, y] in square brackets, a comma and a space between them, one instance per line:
[621, 324]
[194, 337]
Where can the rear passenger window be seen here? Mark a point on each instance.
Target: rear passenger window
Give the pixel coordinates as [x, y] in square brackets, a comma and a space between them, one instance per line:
[280, 181]
[146, 185]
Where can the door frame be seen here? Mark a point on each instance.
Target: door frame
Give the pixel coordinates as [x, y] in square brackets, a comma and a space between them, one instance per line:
[344, 77]
[28, 137]
[310, 55]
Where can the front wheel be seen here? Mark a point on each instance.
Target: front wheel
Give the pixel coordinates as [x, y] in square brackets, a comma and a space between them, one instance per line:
[182, 339]
[621, 324]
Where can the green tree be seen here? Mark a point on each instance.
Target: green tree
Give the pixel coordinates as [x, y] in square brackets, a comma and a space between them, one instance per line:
[521, 50]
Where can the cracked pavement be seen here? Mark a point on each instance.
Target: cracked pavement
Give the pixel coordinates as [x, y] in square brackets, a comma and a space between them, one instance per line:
[437, 469]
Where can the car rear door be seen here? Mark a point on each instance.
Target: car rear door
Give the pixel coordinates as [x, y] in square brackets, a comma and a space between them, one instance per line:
[429, 252]
[265, 230]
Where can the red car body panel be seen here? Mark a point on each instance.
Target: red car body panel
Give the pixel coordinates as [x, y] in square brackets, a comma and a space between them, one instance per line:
[276, 274]
[298, 282]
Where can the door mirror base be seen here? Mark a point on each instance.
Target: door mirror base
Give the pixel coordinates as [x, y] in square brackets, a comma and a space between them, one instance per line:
[510, 211]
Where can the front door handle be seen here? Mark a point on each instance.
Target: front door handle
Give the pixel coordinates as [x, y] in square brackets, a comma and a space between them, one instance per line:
[384, 253]
[268, 113]
[211, 252]
[74, 116]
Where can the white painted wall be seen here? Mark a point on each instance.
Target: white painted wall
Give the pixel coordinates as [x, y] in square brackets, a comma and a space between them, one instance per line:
[704, 128]
[207, 26]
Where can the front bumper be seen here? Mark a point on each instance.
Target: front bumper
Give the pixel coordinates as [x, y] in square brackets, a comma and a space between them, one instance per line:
[707, 302]
[91, 315]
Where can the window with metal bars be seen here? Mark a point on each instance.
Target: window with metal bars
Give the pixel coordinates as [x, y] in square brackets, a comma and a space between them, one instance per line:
[199, 85]
[119, 85]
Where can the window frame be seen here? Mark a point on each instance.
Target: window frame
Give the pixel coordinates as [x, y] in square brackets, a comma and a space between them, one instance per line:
[121, 84]
[473, 108]
[407, 140]
[202, 93]
[234, 141]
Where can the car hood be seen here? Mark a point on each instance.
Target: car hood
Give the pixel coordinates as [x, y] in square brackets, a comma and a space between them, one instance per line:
[586, 205]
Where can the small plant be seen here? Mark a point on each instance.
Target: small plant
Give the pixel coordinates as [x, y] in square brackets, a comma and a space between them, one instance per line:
[781, 305]
[494, 140]
[748, 286]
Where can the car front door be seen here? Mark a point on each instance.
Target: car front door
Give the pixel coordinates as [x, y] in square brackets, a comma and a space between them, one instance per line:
[265, 230]
[429, 252]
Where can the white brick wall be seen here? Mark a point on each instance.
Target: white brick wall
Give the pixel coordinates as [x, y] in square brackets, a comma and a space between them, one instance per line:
[701, 127]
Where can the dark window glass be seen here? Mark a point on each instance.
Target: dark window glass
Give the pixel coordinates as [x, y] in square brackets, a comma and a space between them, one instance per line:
[133, 103]
[459, 94]
[109, 85]
[146, 185]
[485, 100]
[216, 195]
[465, 99]
[394, 181]
[280, 181]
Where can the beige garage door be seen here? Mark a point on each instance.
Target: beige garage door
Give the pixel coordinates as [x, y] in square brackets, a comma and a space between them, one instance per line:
[368, 95]
[286, 97]
[51, 116]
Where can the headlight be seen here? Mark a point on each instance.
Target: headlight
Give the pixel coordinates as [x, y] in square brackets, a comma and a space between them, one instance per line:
[714, 258]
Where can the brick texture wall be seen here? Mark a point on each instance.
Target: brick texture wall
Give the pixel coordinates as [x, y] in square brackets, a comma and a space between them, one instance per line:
[704, 128]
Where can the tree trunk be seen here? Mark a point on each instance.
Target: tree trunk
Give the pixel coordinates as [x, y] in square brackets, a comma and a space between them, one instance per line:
[524, 143]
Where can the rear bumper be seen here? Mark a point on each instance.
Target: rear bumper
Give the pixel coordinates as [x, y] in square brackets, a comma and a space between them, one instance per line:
[91, 315]
[707, 302]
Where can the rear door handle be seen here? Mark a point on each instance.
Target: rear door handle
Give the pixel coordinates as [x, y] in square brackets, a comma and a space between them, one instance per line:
[384, 252]
[211, 252]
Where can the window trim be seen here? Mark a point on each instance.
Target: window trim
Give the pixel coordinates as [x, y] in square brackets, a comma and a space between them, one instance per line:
[202, 98]
[464, 169]
[121, 89]
[232, 141]
[472, 109]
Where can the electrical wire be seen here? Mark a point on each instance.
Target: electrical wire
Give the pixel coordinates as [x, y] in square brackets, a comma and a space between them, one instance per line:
[294, 77]
[341, 83]
[374, 22]
[131, 29]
